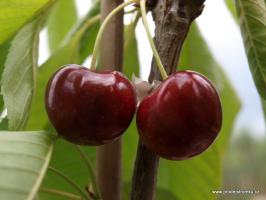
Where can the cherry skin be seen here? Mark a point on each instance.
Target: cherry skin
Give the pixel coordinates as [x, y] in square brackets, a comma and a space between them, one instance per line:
[181, 118]
[89, 108]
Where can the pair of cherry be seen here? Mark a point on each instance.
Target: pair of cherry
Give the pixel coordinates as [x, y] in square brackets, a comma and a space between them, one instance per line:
[178, 120]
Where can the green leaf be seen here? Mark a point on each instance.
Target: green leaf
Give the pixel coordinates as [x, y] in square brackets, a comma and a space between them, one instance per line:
[67, 159]
[264, 108]
[252, 17]
[89, 36]
[61, 20]
[1, 104]
[24, 157]
[4, 124]
[19, 74]
[71, 52]
[4, 51]
[16, 13]
[131, 60]
[231, 7]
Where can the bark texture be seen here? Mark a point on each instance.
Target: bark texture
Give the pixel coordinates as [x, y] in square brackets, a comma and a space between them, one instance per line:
[144, 177]
[111, 57]
[172, 20]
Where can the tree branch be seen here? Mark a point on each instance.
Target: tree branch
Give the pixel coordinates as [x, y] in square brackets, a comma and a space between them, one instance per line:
[145, 174]
[111, 57]
[172, 20]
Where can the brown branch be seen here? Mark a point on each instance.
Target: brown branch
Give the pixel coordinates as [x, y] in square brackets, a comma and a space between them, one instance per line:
[111, 57]
[172, 20]
[144, 177]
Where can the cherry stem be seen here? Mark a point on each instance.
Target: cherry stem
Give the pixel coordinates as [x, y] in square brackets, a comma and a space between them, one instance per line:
[131, 11]
[102, 28]
[90, 22]
[72, 183]
[91, 172]
[154, 50]
[61, 193]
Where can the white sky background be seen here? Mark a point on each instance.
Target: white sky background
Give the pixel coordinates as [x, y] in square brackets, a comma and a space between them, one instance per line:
[224, 39]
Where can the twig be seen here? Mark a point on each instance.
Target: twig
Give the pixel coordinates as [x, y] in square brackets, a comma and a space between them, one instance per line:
[67, 195]
[72, 183]
[91, 172]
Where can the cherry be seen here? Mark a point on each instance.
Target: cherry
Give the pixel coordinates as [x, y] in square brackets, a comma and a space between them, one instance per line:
[89, 108]
[181, 118]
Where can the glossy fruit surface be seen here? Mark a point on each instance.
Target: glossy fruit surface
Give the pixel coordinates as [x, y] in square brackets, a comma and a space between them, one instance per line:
[181, 118]
[89, 108]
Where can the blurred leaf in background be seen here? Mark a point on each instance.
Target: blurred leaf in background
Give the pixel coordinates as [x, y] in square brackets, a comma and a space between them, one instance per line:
[232, 8]
[61, 20]
[244, 165]
[89, 36]
[3, 55]
[4, 51]
[131, 60]
[14, 14]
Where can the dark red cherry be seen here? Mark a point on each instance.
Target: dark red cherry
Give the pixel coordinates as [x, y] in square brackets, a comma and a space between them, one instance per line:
[181, 118]
[89, 108]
